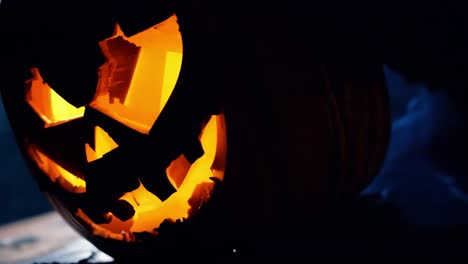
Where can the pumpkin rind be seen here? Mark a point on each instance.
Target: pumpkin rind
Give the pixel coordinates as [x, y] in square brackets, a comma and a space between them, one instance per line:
[301, 136]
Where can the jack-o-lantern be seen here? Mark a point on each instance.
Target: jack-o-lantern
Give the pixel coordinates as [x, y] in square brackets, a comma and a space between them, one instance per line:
[184, 152]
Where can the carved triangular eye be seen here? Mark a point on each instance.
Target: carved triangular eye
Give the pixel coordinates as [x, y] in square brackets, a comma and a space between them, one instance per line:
[48, 104]
[140, 74]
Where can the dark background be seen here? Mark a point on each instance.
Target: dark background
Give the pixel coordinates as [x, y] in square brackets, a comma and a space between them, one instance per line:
[19, 195]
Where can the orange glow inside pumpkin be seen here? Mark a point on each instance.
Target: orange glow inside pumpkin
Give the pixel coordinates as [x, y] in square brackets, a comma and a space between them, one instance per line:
[150, 210]
[135, 84]
[140, 74]
[57, 173]
[50, 106]
[103, 144]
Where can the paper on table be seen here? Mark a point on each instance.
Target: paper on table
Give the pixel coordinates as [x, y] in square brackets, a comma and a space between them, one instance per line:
[45, 238]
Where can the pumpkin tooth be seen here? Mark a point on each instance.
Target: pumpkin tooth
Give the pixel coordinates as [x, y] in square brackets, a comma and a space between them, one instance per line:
[177, 170]
[158, 184]
[122, 210]
[94, 209]
[99, 217]
[111, 173]
[193, 151]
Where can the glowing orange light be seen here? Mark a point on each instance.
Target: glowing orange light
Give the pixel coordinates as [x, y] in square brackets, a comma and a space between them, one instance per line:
[134, 85]
[103, 144]
[50, 106]
[150, 211]
[140, 74]
[56, 173]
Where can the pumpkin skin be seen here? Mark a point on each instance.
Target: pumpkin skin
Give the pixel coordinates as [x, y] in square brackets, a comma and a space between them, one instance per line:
[302, 137]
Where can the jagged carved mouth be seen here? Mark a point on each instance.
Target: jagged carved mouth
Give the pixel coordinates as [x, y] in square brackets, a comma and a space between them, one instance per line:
[115, 175]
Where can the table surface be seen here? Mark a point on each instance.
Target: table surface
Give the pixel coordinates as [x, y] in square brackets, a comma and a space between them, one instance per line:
[45, 238]
[364, 231]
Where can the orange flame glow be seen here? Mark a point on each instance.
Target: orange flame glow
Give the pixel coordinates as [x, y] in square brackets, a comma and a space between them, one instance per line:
[140, 74]
[50, 106]
[135, 84]
[150, 211]
[56, 173]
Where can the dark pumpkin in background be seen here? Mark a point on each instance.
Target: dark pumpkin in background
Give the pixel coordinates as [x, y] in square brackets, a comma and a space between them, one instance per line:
[273, 138]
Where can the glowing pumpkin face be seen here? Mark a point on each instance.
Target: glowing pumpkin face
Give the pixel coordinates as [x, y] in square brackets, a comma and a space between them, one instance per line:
[149, 166]
[119, 190]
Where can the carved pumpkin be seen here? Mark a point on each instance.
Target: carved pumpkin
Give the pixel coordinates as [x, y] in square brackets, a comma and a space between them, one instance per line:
[181, 151]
